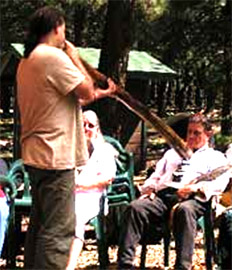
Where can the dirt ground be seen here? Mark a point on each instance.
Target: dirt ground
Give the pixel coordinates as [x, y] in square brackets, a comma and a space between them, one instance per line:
[154, 259]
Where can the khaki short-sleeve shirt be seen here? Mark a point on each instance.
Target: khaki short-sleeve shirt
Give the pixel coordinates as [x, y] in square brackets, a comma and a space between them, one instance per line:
[52, 134]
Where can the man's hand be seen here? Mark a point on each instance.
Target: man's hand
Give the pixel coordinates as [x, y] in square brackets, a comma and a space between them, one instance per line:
[112, 88]
[185, 192]
[93, 184]
[146, 191]
[70, 49]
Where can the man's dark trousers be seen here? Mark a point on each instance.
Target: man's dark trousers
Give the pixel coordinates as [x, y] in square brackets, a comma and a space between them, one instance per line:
[52, 220]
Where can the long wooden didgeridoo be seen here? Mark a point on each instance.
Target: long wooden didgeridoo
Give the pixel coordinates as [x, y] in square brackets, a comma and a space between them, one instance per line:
[213, 174]
[143, 112]
[210, 176]
[206, 176]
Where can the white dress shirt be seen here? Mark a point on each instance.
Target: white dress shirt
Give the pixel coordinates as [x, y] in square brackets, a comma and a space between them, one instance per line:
[204, 160]
[164, 170]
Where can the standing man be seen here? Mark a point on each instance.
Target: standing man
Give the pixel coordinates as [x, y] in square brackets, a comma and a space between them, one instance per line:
[150, 211]
[50, 90]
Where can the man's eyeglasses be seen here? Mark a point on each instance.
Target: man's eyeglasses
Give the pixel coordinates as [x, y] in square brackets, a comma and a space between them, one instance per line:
[89, 125]
[196, 133]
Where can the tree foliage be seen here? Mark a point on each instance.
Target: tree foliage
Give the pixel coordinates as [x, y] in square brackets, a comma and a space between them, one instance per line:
[193, 37]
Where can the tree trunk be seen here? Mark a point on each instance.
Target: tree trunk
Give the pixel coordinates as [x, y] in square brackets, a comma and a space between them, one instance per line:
[114, 59]
[226, 123]
[79, 20]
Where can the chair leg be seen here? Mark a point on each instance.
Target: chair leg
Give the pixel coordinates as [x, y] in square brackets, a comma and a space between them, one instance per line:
[11, 240]
[143, 256]
[103, 256]
[209, 238]
[166, 253]
[167, 239]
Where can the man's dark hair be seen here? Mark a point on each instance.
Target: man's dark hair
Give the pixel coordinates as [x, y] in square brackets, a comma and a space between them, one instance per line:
[43, 21]
[202, 119]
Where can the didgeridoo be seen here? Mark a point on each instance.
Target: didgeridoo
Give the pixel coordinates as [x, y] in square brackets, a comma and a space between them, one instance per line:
[143, 112]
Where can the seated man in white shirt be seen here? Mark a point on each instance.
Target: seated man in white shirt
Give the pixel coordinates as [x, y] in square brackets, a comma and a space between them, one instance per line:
[150, 211]
[91, 181]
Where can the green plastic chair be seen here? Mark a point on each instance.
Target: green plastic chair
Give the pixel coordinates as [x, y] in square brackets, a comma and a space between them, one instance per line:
[8, 187]
[122, 189]
[206, 223]
[117, 196]
[12, 180]
[19, 206]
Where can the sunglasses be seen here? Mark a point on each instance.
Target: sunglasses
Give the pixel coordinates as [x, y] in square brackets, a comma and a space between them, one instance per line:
[89, 125]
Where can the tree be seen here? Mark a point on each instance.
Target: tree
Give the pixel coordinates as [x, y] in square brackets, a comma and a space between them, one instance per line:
[117, 42]
[116, 45]
[194, 37]
[227, 90]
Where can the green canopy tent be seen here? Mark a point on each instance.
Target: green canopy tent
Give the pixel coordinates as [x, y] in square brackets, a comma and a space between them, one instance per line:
[141, 65]
[142, 68]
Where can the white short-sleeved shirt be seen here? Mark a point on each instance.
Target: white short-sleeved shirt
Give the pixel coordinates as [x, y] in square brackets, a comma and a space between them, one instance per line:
[100, 167]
